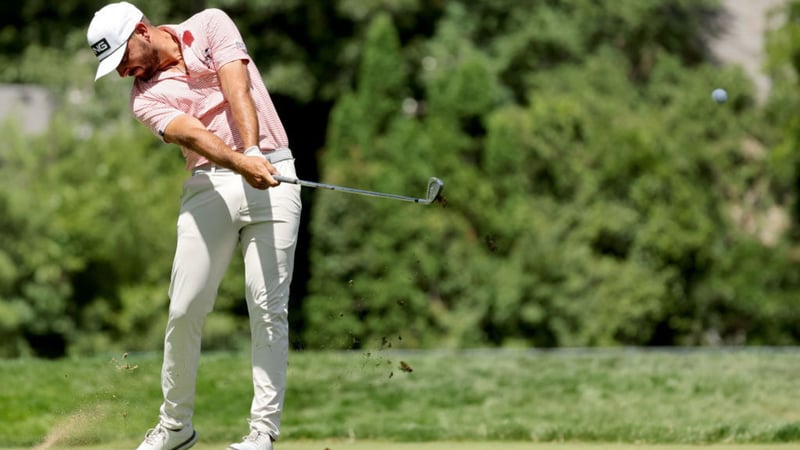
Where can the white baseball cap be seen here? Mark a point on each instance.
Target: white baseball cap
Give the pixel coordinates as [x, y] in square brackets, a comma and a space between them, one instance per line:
[109, 32]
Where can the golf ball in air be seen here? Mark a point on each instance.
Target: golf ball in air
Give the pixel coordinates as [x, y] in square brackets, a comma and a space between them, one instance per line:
[719, 95]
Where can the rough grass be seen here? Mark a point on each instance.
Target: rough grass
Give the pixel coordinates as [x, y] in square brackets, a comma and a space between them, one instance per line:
[612, 396]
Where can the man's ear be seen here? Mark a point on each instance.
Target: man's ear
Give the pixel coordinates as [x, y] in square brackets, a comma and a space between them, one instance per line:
[142, 30]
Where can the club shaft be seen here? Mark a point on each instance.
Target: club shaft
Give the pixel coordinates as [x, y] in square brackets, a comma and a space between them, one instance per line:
[314, 184]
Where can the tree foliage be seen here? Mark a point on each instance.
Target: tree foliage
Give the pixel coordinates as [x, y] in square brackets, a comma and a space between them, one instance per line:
[595, 195]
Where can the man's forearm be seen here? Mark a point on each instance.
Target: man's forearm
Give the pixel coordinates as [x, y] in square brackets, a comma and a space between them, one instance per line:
[235, 82]
[189, 133]
[245, 117]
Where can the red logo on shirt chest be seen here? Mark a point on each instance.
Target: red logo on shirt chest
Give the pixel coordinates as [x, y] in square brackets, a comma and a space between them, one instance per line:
[188, 38]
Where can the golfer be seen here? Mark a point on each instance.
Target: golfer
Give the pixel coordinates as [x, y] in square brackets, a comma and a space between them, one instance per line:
[195, 86]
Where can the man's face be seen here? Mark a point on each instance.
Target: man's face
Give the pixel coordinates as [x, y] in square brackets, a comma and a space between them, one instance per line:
[140, 60]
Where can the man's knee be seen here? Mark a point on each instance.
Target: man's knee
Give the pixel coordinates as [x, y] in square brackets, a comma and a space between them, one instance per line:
[188, 311]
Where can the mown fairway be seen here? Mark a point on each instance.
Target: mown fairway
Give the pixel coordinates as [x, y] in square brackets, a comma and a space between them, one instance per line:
[351, 400]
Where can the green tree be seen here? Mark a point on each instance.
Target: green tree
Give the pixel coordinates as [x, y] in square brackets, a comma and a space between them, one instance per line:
[594, 190]
[783, 65]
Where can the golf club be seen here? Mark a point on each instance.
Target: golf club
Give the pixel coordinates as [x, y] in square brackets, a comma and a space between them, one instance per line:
[435, 187]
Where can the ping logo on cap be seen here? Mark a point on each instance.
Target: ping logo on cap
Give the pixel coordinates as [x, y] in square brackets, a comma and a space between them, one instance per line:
[100, 46]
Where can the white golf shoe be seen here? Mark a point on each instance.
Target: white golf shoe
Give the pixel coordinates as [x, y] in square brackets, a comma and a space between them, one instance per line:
[256, 440]
[162, 438]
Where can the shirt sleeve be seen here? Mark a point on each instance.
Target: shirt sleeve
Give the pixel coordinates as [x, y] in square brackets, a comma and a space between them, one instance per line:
[224, 39]
[154, 114]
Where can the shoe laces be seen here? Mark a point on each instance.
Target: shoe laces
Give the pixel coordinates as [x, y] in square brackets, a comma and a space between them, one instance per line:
[155, 435]
[255, 436]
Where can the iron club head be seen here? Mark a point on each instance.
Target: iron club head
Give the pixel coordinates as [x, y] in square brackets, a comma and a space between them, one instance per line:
[435, 187]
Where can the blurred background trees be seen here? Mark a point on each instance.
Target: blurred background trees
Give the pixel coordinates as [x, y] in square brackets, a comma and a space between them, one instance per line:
[595, 195]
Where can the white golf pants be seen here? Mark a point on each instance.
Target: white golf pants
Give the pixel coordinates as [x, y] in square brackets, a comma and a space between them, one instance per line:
[219, 211]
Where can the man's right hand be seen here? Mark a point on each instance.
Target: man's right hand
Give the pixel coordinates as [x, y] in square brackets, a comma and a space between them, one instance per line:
[257, 171]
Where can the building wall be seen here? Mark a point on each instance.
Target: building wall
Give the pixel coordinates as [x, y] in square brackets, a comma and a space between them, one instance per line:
[29, 107]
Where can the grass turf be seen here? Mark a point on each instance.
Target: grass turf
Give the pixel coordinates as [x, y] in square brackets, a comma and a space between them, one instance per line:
[656, 397]
[461, 445]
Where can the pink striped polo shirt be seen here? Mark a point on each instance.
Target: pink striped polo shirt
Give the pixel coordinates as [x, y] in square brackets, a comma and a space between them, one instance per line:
[208, 40]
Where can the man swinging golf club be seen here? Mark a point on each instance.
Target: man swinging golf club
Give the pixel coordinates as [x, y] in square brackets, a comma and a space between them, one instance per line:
[195, 86]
